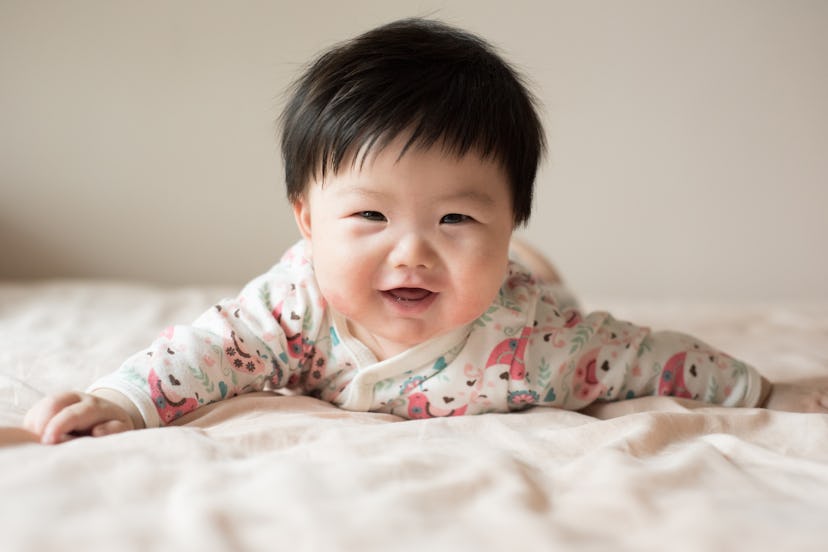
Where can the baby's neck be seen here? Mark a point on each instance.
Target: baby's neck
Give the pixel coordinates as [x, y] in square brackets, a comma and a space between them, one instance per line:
[382, 349]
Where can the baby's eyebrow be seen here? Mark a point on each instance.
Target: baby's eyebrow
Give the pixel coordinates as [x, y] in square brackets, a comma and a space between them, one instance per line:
[363, 192]
[470, 195]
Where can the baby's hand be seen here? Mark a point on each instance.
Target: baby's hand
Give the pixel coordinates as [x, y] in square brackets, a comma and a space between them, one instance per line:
[807, 395]
[62, 417]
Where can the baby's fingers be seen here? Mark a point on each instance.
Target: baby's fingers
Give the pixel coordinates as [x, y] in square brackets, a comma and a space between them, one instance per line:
[38, 417]
[74, 420]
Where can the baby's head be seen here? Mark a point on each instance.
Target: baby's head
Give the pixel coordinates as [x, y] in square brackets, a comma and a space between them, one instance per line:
[410, 155]
[437, 84]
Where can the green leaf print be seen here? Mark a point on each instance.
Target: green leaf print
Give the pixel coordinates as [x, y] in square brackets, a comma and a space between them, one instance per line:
[203, 378]
[485, 318]
[544, 373]
[712, 391]
[582, 336]
[645, 347]
[652, 382]
[264, 295]
[132, 374]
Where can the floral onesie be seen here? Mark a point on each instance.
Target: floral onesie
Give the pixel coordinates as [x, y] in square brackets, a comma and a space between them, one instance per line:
[531, 347]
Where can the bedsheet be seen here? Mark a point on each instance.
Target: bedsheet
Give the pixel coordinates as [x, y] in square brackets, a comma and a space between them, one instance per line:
[277, 472]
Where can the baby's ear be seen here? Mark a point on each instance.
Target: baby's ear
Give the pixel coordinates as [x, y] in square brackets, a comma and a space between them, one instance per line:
[301, 212]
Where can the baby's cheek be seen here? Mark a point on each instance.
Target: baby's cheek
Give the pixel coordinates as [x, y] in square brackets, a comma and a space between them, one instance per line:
[350, 302]
[473, 302]
[466, 312]
[336, 301]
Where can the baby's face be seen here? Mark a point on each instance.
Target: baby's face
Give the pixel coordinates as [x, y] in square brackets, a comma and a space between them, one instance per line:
[409, 248]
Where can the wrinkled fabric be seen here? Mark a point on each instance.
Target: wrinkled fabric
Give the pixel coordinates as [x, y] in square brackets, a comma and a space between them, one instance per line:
[267, 472]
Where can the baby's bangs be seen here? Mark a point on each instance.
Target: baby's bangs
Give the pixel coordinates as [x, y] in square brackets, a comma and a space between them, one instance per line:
[458, 126]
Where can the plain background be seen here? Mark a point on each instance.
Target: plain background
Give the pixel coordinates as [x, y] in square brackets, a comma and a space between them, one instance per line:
[688, 140]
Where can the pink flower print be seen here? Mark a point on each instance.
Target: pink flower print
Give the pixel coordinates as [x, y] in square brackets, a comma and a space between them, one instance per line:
[573, 318]
[511, 352]
[294, 345]
[169, 405]
[552, 333]
[311, 365]
[585, 382]
[240, 358]
[277, 311]
[523, 399]
[297, 345]
[480, 398]
[411, 384]
[316, 367]
[474, 377]
[672, 377]
[420, 408]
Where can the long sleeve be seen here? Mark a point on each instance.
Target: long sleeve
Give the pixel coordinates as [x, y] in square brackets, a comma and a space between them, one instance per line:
[573, 359]
[239, 345]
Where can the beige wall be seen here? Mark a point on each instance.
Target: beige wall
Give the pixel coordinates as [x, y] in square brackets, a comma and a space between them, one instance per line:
[688, 139]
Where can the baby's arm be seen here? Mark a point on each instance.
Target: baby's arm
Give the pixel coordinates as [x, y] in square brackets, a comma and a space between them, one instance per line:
[237, 346]
[16, 436]
[620, 360]
[578, 359]
[61, 417]
[806, 395]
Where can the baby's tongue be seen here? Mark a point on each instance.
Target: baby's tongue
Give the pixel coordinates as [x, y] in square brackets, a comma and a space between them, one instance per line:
[410, 294]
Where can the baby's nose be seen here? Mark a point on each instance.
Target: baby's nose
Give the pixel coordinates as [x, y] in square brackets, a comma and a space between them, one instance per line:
[412, 251]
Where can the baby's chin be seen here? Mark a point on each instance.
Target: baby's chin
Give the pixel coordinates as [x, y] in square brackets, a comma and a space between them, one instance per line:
[407, 340]
[386, 343]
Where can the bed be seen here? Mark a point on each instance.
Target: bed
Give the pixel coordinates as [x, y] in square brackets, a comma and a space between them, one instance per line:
[279, 472]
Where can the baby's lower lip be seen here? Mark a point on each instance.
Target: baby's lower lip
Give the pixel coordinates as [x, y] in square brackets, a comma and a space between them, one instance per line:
[408, 294]
[408, 302]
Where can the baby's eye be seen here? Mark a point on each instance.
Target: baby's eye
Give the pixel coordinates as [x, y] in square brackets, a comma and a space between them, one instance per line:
[373, 216]
[454, 218]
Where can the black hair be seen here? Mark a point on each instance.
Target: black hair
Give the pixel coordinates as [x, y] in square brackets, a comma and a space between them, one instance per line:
[442, 84]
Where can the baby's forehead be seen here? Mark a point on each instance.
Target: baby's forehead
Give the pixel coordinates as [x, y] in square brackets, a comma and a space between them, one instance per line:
[404, 147]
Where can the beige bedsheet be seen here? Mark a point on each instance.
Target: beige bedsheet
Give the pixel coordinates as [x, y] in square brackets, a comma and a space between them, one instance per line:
[268, 472]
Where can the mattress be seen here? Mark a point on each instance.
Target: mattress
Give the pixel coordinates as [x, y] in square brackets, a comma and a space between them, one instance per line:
[268, 471]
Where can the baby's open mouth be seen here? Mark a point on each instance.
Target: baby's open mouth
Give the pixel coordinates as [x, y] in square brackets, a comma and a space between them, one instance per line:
[408, 294]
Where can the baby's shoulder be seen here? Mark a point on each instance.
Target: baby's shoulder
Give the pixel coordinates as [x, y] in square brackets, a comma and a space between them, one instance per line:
[293, 271]
[288, 287]
[522, 290]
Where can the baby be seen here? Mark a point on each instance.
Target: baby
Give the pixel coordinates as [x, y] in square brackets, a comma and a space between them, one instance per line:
[410, 155]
